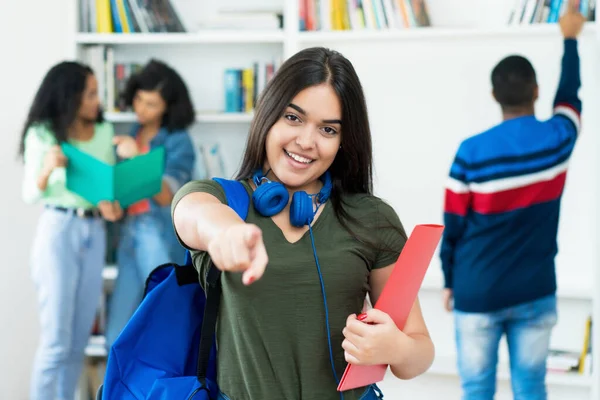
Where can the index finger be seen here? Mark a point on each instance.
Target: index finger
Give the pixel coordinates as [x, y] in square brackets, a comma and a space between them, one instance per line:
[258, 264]
[357, 327]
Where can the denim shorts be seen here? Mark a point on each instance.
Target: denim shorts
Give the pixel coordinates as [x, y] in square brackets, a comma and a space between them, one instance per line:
[372, 392]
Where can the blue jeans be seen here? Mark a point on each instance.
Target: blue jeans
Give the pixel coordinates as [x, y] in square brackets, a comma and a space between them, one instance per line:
[145, 242]
[66, 264]
[527, 327]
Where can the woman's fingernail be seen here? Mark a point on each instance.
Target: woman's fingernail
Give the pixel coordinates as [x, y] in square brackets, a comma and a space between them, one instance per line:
[249, 280]
[362, 317]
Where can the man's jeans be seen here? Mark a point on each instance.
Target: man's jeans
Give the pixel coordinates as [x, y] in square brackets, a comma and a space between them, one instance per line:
[527, 327]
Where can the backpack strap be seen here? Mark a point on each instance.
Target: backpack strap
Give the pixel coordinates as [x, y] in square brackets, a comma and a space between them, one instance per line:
[239, 201]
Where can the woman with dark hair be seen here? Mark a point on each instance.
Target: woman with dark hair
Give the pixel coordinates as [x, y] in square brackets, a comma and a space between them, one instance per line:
[293, 284]
[70, 242]
[164, 111]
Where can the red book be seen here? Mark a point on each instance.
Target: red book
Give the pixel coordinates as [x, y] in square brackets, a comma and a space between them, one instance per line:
[398, 296]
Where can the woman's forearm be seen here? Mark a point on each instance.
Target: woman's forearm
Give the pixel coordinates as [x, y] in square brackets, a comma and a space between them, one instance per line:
[165, 196]
[416, 354]
[42, 180]
[199, 217]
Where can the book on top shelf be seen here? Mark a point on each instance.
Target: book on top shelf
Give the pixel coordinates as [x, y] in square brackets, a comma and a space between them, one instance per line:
[128, 16]
[547, 11]
[365, 14]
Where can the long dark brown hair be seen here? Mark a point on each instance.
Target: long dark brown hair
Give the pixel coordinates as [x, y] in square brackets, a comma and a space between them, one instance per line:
[58, 99]
[351, 171]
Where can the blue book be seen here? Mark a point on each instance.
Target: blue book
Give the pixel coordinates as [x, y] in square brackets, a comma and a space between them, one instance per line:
[232, 90]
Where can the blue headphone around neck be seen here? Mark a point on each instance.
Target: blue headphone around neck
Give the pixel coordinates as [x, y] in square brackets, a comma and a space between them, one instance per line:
[270, 198]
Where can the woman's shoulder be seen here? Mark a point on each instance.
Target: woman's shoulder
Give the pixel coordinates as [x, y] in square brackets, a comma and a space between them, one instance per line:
[209, 186]
[40, 132]
[366, 205]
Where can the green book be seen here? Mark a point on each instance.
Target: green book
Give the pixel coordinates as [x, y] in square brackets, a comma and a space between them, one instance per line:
[127, 182]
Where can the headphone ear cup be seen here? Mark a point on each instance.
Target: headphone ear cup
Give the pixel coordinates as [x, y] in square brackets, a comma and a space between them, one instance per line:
[301, 209]
[270, 198]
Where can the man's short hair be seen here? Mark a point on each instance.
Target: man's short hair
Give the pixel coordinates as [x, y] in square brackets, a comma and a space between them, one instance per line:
[514, 82]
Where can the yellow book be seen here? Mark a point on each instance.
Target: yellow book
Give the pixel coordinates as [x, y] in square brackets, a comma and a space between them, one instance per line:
[586, 344]
[248, 85]
[123, 17]
[345, 15]
[340, 4]
[103, 19]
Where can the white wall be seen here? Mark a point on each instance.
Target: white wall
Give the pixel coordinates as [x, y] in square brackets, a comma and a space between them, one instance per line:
[33, 36]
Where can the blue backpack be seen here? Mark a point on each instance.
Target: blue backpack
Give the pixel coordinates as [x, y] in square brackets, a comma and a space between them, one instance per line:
[167, 349]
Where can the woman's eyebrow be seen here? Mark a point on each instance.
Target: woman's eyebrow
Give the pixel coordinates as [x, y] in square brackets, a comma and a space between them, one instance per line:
[301, 111]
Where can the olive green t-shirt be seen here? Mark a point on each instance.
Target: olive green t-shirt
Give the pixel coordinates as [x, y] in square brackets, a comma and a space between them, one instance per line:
[271, 335]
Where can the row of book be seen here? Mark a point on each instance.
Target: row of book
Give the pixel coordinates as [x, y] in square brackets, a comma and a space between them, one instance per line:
[335, 15]
[128, 16]
[243, 85]
[547, 11]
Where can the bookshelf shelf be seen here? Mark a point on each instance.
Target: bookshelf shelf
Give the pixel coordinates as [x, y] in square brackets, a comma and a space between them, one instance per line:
[446, 365]
[434, 33]
[202, 117]
[214, 36]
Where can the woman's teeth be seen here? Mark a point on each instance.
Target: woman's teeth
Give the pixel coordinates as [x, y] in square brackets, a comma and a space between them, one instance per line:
[298, 158]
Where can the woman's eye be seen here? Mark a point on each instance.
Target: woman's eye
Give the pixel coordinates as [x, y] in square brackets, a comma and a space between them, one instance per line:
[292, 118]
[329, 130]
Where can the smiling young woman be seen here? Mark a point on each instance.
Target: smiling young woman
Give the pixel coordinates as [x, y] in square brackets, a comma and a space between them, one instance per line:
[293, 284]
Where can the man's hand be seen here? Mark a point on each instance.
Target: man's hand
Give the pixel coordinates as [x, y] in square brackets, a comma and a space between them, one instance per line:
[571, 21]
[447, 299]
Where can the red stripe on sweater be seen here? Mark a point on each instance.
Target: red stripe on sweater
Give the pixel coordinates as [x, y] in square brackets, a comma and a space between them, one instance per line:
[572, 107]
[509, 200]
[457, 203]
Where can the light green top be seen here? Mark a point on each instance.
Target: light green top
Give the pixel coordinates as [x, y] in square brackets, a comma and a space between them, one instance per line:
[38, 140]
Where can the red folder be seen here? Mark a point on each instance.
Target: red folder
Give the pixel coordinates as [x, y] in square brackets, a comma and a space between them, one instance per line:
[398, 296]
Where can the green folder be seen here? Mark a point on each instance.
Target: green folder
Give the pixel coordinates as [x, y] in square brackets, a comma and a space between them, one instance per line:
[127, 181]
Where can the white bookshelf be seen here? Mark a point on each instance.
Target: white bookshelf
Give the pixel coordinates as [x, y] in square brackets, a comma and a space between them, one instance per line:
[209, 37]
[201, 117]
[433, 33]
[445, 365]
[404, 72]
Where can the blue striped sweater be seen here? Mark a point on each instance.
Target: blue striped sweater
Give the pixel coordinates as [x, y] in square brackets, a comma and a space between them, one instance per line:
[502, 203]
